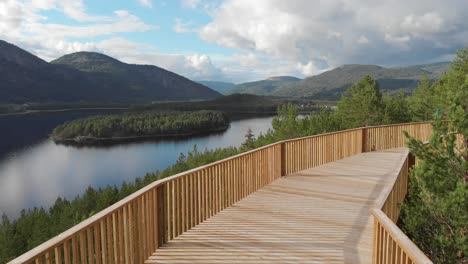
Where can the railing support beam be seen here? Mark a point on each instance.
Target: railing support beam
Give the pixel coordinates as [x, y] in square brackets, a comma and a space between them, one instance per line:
[364, 139]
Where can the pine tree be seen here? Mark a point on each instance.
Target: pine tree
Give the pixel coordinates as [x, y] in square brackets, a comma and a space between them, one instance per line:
[435, 214]
[249, 142]
[424, 101]
[361, 105]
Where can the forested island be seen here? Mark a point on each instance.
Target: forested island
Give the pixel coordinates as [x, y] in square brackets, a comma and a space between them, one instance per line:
[139, 125]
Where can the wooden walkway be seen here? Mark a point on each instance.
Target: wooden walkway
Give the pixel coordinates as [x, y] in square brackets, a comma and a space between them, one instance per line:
[319, 215]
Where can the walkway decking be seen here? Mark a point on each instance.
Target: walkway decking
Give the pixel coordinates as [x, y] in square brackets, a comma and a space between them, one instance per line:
[319, 215]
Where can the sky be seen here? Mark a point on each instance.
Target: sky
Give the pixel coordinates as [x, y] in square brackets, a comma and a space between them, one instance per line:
[241, 40]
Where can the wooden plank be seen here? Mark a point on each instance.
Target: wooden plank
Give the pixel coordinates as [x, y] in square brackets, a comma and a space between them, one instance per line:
[97, 244]
[110, 240]
[103, 238]
[75, 251]
[66, 252]
[58, 255]
[82, 247]
[90, 245]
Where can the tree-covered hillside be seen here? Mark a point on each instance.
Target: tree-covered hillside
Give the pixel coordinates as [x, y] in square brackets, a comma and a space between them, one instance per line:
[332, 84]
[263, 87]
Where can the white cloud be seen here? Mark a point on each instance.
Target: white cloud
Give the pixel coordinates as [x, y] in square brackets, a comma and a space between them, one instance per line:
[399, 40]
[308, 69]
[75, 9]
[428, 23]
[363, 40]
[247, 60]
[181, 26]
[191, 3]
[305, 31]
[146, 3]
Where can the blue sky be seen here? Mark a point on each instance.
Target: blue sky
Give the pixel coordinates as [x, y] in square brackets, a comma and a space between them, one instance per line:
[241, 40]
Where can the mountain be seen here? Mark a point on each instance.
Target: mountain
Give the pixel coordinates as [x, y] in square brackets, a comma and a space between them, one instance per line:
[331, 84]
[220, 87]
[135, 81]
[89, 77]
[263, 87]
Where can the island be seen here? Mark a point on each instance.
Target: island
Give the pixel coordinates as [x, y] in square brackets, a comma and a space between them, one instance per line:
[131, 126]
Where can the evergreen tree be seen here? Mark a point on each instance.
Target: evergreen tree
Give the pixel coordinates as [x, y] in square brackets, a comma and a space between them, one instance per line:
[361, 105]
[249, 142]
[397, 109]
[435, 214]
[286, 124]
[423, 102]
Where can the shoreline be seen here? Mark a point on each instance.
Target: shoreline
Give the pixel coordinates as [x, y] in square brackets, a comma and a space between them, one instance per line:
[95, 141]
[63, 110]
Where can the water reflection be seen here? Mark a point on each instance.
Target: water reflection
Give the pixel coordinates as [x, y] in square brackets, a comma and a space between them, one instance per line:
[36, 175]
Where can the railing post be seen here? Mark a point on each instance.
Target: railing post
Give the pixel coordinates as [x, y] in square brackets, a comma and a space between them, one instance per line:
[364, 139]
[283, 159]
[161, 215]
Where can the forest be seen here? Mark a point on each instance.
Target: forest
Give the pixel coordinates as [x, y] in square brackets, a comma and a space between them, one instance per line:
[140, 125]
[434, 215]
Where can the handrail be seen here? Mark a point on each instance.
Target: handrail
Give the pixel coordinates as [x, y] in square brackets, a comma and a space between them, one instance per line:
[390, 244]
[395, 246]
[134, 227]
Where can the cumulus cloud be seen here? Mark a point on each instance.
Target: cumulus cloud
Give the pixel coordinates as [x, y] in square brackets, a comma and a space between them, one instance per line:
[146, 3]
[326, 33]
[308, 69]
[23, 24]
[75, 9]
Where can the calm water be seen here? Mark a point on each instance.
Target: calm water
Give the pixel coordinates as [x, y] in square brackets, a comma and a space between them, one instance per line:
[34, 171]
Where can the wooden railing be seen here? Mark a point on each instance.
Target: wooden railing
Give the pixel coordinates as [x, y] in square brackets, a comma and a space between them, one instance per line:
[390, 244]
[135, 227]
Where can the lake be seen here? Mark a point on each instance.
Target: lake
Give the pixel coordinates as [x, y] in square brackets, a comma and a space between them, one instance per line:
[34, 171]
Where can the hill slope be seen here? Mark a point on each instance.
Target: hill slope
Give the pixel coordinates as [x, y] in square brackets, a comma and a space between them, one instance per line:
[220, 87]
[136, 81]
[89, 77]
[331, 84]
[263, 87]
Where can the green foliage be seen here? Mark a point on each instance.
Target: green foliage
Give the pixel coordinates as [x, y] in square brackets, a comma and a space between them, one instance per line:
[286, 124]
[435, 214]
[423, 103]
[361, 105]
[397, 109]
[263, 87]
[142, 124]
[249, 142]
[322, 122]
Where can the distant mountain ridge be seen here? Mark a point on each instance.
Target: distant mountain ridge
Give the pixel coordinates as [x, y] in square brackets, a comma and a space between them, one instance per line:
[330, 85]
[89, 76]
[263, 87]
[218, 86]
